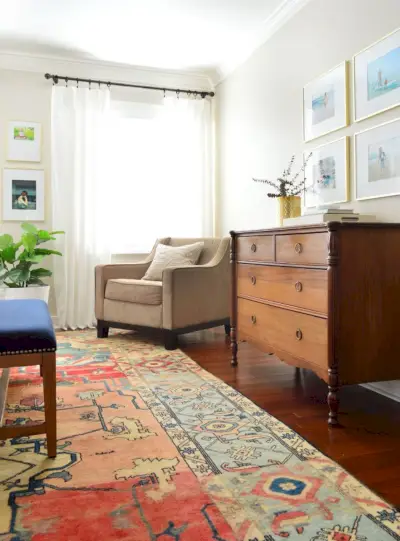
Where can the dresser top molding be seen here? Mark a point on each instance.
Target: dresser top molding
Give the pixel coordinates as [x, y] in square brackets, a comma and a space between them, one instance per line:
[312, 228]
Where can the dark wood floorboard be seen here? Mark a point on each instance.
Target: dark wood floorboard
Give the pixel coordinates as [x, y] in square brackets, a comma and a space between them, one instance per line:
[368, 442]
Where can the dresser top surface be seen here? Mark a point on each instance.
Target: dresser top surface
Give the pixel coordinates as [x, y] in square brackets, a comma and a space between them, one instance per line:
[311, 228]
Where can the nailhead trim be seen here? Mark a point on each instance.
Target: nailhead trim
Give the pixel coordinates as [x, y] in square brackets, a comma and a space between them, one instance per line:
[27, 351]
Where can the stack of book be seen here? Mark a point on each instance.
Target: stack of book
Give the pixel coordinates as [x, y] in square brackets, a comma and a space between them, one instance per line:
[328, 214]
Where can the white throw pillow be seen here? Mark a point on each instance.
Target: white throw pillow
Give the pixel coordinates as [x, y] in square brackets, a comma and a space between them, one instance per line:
[172, 256]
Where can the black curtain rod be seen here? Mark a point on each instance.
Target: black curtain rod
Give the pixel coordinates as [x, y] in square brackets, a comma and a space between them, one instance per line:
[57, 78]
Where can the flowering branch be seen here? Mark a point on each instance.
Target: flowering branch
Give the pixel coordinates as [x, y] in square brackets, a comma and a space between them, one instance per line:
[287, 185]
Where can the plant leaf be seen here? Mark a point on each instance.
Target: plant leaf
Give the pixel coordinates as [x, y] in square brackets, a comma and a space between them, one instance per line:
[18, 275]
[5, 241]
[29, 241]
[57, 232]
[29, 228]
[44, 251]
[8, 254]
[35, 281]
[41, 273]
[32, 258]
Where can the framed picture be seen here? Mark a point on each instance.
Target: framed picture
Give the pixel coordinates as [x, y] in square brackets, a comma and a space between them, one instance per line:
[376, 74]
[23, 195]
[327, 174]
[377, 161]
[325, 103]
[24, 141]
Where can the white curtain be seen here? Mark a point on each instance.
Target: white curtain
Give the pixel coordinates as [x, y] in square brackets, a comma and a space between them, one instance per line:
[80, 188]
[163, 173]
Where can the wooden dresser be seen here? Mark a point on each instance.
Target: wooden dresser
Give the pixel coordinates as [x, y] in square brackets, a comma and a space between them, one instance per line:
[324, 297]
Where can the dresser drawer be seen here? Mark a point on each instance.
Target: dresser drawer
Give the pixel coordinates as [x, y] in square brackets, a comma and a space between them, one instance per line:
[304, 288]
[302, 249]
[300, 335]
[255, 248]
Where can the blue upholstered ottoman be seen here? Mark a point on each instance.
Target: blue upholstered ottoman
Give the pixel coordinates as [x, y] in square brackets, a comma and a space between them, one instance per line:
[27, 338]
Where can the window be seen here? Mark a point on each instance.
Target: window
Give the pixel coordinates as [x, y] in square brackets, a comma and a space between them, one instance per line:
[160, 173]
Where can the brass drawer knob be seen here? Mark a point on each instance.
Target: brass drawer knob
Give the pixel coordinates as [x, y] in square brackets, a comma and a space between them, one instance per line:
[298, 248]
[253, 247]
[298, 286]
[253, 280]
[299, 334]
[253, 320]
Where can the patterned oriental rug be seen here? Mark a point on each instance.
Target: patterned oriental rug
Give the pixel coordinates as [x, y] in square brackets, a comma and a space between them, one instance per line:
[153, 448]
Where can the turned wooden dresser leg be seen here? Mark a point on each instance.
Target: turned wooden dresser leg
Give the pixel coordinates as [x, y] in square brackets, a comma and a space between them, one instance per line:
[333, 399]
[234, 346]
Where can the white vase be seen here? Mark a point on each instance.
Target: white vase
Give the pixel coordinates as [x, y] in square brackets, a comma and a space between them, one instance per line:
[31, 292]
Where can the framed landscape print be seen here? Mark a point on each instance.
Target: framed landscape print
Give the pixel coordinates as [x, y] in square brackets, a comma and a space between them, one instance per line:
[376, 73]
[377, 161]
[24, 141]
[327, 174]
[23, 195]
[325, 103]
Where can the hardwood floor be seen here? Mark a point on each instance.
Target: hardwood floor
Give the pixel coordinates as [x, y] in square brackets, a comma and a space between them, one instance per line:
[368, 442]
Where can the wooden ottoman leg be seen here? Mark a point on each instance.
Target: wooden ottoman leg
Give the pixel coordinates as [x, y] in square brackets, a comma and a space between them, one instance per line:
[50, 406]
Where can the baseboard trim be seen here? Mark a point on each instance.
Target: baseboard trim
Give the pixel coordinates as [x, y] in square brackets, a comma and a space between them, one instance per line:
[388, 394]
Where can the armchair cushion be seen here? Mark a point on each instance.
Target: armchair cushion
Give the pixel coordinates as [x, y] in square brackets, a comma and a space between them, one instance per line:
[135, 291]
[172, 256]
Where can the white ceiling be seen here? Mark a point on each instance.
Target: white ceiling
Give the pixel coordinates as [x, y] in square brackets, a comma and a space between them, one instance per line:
[206, 36]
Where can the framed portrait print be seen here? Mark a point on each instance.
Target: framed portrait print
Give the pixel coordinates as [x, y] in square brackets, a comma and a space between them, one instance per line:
[325, 103]
[24, 141]
[376, 77]
[327, 174]
[23, 195]
[377, 161]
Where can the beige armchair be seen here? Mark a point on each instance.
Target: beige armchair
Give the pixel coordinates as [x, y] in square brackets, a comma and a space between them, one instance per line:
[187, 299]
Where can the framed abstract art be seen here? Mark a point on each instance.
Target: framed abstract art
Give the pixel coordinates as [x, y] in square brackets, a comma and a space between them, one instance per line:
[377, 161]
[325, 103]
[376, 77]
[327, 174]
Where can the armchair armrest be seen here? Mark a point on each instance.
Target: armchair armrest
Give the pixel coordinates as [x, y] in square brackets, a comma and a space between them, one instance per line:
[103, 273]
[196, 294]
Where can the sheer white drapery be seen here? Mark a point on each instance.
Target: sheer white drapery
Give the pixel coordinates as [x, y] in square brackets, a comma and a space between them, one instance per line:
[120, 180]
[80, 185]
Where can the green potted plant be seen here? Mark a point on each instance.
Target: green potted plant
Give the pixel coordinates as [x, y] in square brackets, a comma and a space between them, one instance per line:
[21, 276]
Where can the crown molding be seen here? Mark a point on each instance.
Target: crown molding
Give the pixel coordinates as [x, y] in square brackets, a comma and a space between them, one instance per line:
[76, 67]
[278, 18]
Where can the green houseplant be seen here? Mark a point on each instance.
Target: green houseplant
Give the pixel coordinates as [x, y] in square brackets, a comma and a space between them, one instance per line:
[20, 271]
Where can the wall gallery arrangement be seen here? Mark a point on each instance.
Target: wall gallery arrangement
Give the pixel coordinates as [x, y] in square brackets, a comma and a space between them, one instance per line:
[376, 88]
[23, 189]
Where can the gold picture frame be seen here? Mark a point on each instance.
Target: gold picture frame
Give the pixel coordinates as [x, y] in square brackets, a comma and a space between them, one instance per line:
[347, 171]
[355, 162]
[345, 117]
[354, 80]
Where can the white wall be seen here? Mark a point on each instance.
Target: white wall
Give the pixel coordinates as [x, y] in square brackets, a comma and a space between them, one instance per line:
[259, 110]
[259, 106]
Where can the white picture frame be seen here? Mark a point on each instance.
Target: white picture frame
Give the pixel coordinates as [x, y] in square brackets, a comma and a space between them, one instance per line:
[328, 174]
[376, 77]
[325, 103]
[377, 161]
[24, 141]
[23, 195]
